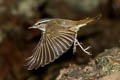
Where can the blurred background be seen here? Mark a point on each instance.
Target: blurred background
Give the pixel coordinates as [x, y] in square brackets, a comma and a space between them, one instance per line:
[17, 41]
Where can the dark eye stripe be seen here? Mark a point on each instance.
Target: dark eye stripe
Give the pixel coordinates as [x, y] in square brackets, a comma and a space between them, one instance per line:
[42, 21]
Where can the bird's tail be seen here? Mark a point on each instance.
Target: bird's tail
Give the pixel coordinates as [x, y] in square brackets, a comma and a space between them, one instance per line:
[84, 22]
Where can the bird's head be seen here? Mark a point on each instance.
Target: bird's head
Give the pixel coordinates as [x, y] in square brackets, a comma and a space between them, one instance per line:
[41, 24]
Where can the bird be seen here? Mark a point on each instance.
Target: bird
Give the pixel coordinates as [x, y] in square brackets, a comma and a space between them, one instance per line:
[58, 35]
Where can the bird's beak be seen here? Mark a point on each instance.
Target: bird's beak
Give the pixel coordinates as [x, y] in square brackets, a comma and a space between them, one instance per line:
[31, 27]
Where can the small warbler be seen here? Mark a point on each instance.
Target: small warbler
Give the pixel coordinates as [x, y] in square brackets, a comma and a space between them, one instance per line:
[58, 35]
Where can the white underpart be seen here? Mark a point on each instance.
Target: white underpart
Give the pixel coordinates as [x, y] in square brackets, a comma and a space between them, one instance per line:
[42, 29]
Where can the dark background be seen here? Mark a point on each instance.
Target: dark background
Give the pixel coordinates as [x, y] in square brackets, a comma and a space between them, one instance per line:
[17, 41]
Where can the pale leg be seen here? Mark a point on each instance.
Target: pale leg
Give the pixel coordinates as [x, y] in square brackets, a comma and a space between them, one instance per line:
[77, 43]
[85, 50]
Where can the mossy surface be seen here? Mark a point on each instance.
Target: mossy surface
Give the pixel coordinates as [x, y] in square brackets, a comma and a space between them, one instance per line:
[104, 64]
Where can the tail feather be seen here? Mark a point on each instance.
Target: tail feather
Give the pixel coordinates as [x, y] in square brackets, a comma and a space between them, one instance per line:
[84, 22]
[89, 20]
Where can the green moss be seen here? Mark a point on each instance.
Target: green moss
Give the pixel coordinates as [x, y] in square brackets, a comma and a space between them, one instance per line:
[109, 61]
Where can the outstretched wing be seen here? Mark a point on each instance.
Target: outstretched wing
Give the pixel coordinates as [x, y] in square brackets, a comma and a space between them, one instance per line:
[50, 47]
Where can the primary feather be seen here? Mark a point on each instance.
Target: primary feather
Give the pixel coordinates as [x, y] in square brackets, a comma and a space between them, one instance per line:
[50, 47]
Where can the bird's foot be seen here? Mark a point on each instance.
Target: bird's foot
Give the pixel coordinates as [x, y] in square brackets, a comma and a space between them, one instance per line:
[83, 49]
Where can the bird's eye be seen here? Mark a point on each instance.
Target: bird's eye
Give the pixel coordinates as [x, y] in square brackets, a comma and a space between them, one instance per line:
[38, 23]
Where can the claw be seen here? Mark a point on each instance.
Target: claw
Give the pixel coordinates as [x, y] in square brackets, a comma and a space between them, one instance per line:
[87, 48]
